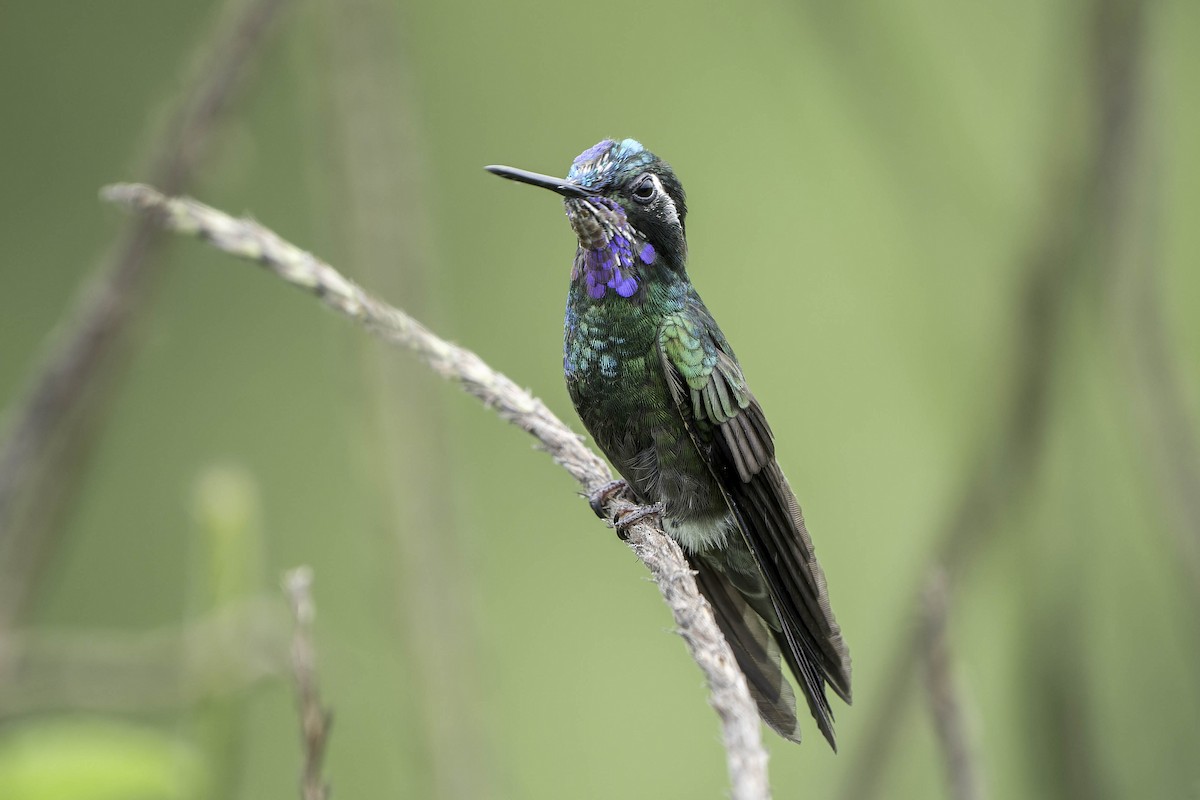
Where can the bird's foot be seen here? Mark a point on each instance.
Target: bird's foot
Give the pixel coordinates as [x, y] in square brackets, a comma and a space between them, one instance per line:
[625, 521]
[598, 498]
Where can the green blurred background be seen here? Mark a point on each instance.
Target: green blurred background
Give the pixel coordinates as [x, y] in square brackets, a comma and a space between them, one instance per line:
[955, 246]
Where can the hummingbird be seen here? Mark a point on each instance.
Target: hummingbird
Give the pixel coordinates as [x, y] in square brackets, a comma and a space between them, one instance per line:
[662, 394]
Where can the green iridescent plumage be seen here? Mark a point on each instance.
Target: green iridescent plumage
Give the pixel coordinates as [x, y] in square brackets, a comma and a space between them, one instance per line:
[662, 393]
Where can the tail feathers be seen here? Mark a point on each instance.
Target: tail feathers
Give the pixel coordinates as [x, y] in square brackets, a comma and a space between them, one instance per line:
[755, 649]
[814, 694]
[769, 517]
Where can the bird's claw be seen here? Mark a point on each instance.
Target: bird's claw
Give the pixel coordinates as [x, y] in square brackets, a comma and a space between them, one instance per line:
[598, 498]
[625, 521]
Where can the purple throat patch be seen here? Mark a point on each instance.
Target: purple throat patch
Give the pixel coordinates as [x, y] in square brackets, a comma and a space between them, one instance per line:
[612, 267]
[607, 245]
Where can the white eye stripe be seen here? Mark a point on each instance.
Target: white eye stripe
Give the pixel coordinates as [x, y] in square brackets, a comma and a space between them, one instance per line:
[671, 213]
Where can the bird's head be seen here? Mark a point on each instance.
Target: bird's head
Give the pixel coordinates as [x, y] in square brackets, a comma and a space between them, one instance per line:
[627, 209]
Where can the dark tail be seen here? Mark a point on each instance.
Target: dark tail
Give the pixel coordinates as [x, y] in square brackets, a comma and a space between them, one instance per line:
[755, 648]
[808, 635]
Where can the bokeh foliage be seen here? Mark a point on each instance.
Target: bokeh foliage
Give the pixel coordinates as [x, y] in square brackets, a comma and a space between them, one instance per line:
[871, 186]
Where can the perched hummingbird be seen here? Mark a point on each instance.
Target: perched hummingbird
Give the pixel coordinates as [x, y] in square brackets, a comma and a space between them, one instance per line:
[661, 392]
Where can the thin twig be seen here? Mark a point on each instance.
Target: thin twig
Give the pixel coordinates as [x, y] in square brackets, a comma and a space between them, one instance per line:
[50, 428]
[315, 719]
[950, 722]
[746, 758]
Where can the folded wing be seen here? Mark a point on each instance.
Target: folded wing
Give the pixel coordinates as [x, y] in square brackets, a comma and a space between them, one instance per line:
[729, 429]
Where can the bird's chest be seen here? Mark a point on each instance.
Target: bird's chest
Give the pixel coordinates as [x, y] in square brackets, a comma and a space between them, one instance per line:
[611, 365]
[609, 358]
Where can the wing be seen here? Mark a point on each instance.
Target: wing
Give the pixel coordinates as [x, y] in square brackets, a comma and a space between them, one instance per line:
[731, 432]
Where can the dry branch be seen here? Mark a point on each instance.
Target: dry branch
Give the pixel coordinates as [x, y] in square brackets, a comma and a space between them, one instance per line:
[746, 758]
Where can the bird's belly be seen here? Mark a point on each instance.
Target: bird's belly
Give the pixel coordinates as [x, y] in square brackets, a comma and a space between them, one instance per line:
[628, 410]
[700, 534]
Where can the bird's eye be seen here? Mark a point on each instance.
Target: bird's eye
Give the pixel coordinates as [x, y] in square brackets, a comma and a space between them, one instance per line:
[644, 191]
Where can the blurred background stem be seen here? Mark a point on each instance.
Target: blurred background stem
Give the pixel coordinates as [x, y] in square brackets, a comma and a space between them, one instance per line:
[226, 567]
[377, 177]
[50, 429]
[1061, 270]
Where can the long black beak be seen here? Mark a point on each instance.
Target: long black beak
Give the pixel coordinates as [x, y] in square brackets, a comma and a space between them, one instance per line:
[560, 185]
